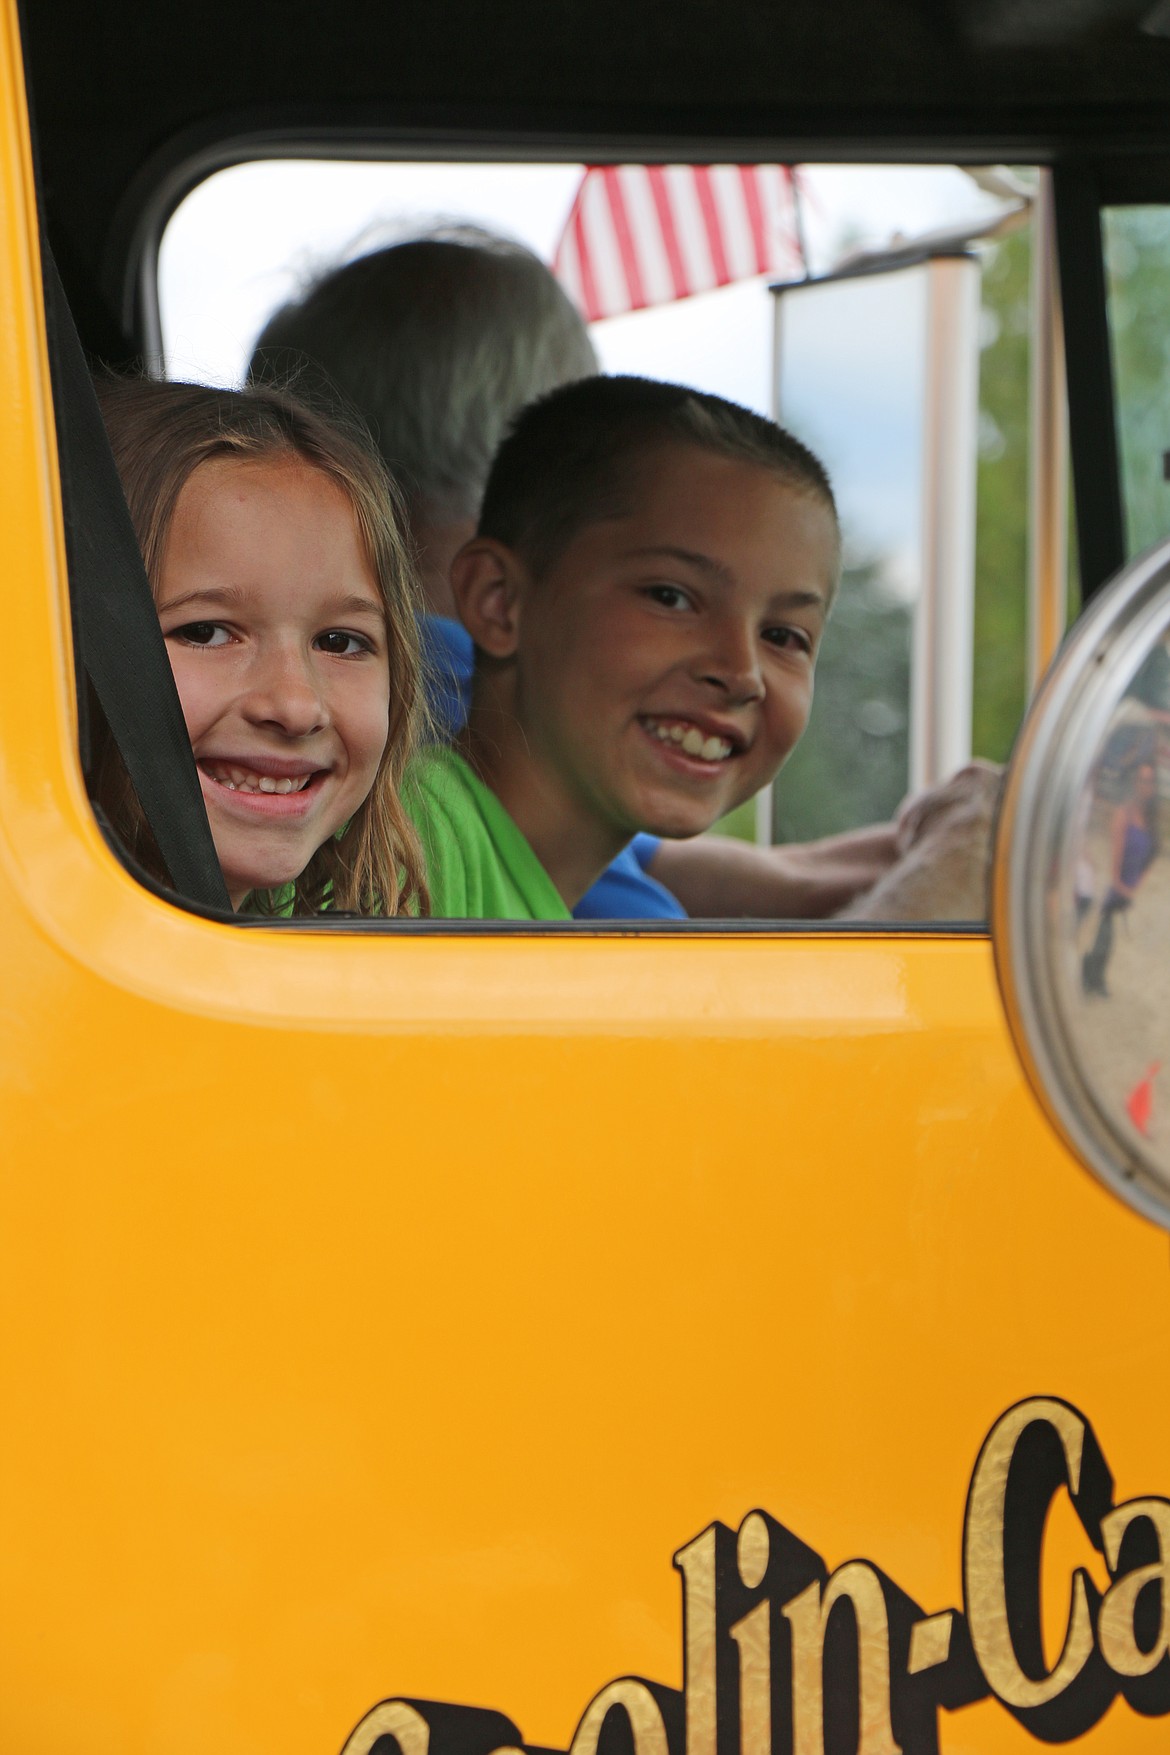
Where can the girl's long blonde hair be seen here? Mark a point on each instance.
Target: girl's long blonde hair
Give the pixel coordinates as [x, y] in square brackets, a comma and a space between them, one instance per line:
[160, 433]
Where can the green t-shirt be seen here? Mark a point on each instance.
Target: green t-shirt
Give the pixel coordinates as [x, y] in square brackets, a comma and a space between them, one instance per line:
[479, 866]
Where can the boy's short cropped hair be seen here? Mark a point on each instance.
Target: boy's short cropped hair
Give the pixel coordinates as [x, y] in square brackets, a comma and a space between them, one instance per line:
[570, 459]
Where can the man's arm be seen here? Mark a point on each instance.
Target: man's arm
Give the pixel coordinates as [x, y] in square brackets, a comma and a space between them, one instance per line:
[930, 863]
[717, 878]
[945, 840]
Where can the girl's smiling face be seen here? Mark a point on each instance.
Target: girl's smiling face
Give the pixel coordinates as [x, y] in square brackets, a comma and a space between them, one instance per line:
[277, 639]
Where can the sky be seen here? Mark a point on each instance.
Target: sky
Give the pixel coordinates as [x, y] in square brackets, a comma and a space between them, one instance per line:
[850, 358]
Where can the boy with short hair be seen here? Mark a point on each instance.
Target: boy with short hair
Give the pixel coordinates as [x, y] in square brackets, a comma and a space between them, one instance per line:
[646, 592]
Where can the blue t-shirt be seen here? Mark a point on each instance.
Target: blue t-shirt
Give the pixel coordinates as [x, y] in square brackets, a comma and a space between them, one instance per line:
[625, 891]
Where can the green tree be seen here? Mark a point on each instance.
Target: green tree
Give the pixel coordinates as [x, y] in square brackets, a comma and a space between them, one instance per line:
[1137, 249]
[1001, 506]
[850, 766]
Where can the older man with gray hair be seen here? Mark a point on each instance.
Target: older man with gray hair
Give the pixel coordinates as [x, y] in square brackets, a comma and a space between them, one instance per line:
[436, 342]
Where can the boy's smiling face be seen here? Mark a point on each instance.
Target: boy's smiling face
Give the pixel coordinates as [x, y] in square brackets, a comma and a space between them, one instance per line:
[664, 666]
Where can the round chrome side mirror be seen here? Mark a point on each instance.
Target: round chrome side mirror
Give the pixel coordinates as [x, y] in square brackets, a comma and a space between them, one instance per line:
[1081, 901]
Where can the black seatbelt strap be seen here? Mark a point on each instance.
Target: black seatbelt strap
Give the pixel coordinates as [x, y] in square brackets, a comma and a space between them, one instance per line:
[121, 648]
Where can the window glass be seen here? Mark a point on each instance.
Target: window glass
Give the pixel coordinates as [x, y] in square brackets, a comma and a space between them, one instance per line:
[861, 409]
[1137, 258]
[844, 368]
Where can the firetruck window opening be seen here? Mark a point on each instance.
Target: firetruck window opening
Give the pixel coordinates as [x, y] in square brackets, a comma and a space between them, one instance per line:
[246, 238]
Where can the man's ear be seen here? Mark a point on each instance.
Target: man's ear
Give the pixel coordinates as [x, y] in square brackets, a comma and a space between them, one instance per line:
[486, 579]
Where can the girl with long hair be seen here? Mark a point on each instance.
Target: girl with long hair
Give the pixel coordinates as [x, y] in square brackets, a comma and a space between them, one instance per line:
[273, 544]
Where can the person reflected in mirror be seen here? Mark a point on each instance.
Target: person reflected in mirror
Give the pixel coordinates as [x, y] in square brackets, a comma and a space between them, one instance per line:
[1133, 846]
[436, 342]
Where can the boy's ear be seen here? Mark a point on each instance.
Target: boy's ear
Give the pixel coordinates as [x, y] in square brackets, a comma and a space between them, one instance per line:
[486, 577]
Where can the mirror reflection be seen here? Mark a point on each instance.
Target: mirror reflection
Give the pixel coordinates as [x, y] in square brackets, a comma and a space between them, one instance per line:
[1114, 917]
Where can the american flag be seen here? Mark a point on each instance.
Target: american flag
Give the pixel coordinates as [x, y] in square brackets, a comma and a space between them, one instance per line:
[643, 235]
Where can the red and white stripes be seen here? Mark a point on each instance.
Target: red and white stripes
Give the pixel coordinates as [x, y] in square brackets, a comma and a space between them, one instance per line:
[643, 235]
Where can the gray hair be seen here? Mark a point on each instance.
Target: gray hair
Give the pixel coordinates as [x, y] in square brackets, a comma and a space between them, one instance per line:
[436, 342]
